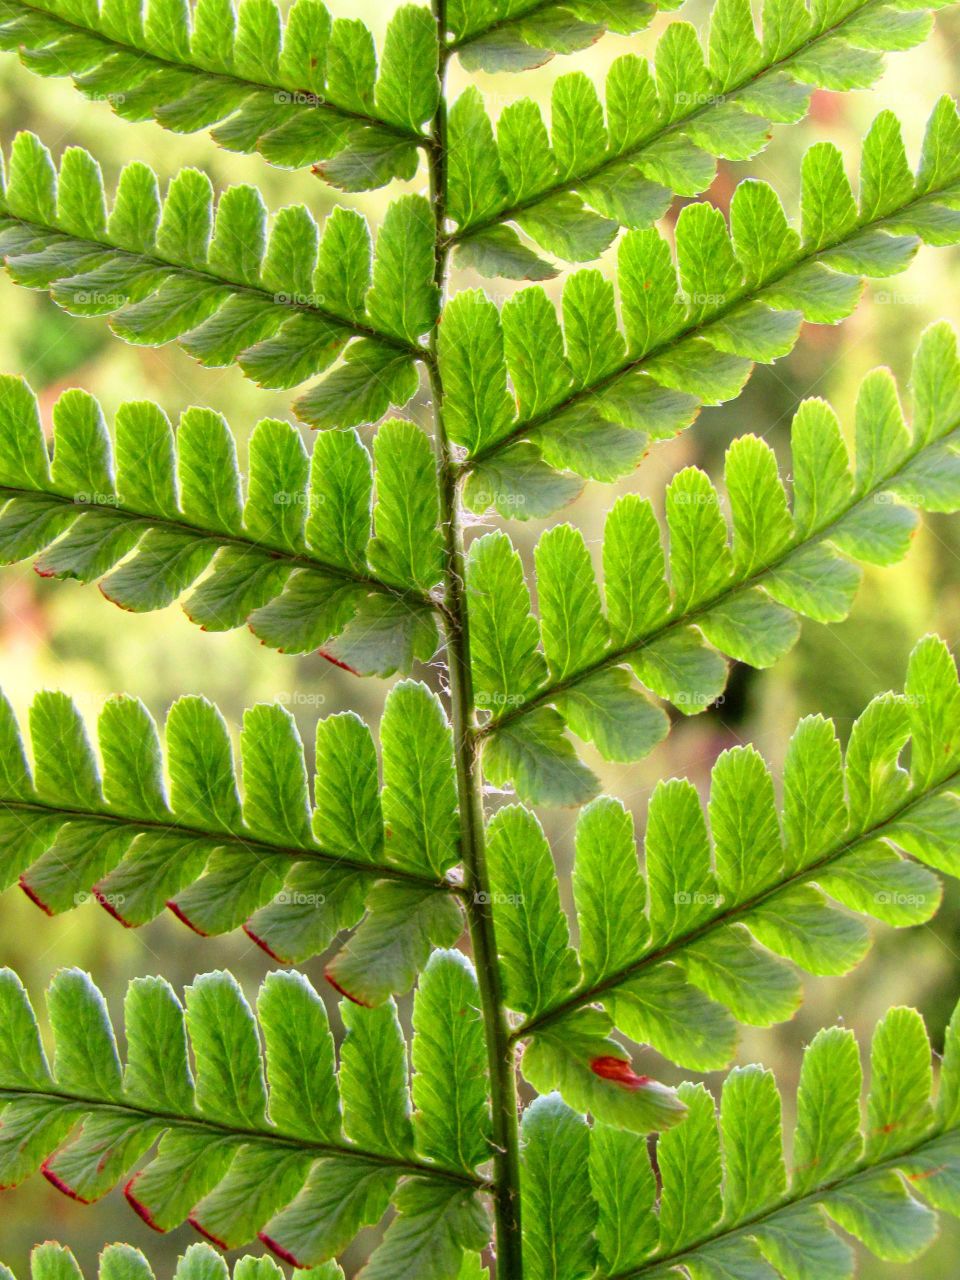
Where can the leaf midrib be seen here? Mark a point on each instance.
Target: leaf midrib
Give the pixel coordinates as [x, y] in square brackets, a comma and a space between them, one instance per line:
[589, 994]
[272, 552]
[207, 276]
[275, 1137]
[450, 47]
[222, 839]
[194, 68]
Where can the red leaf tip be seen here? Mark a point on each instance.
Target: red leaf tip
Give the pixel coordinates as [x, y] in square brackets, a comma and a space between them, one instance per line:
[139, 1208]
[263, 945]
[284, 1254]
[178, 911]
[344, 666]
[619, 1071]
[365, 1004]
[34, 896]
[104, 899]
[207, 1235]
[58, 1182]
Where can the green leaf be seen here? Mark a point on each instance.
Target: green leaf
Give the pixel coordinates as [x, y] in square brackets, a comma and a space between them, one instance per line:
[403, 925]
[609, 892]
[373, 1080]
[407, 548]
[419, 793]
[555, 1187]
[433, 1228]
[403, 299]
[408, 88]
[449, 1063]
[574, 631]
[477, 407]
[535, 955]
[507, 663]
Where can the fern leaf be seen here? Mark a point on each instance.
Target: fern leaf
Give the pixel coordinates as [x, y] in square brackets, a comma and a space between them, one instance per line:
[707, 896]
[298, 90]
[728, 1203]
[520, 35]
[663, 128]
[283, 306]
[727, 1206]
[693, 329]
[278, 1143]
[51, 1261]
[298, 560]
[291, 874]
[735, 585]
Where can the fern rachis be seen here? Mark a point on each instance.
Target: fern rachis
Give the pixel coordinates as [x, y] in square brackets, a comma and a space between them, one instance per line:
[249, 1121]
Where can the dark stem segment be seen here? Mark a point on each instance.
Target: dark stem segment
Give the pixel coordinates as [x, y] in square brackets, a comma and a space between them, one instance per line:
[596, 990]
[501, 1053]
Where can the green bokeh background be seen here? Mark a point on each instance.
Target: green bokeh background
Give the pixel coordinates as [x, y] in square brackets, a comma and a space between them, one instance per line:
[63, 636]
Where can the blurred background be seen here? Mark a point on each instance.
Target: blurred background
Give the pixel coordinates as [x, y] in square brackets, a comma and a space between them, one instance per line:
[63, 636]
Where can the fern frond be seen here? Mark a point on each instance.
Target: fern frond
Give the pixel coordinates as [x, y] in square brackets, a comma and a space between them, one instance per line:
[282, 1144]
[293, 875]
[298, 91]
[662, 131]
[590, 398]
[678, 955]
[725, 1200]
[299, 560]
[722, 1202]
[518, 35]
[52, 1261]
[733, 591]
[283, 307]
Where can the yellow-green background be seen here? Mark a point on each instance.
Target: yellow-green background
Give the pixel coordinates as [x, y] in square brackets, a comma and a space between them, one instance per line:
[63, 636]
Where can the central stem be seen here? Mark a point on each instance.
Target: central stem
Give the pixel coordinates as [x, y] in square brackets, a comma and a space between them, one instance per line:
[501, 1053]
